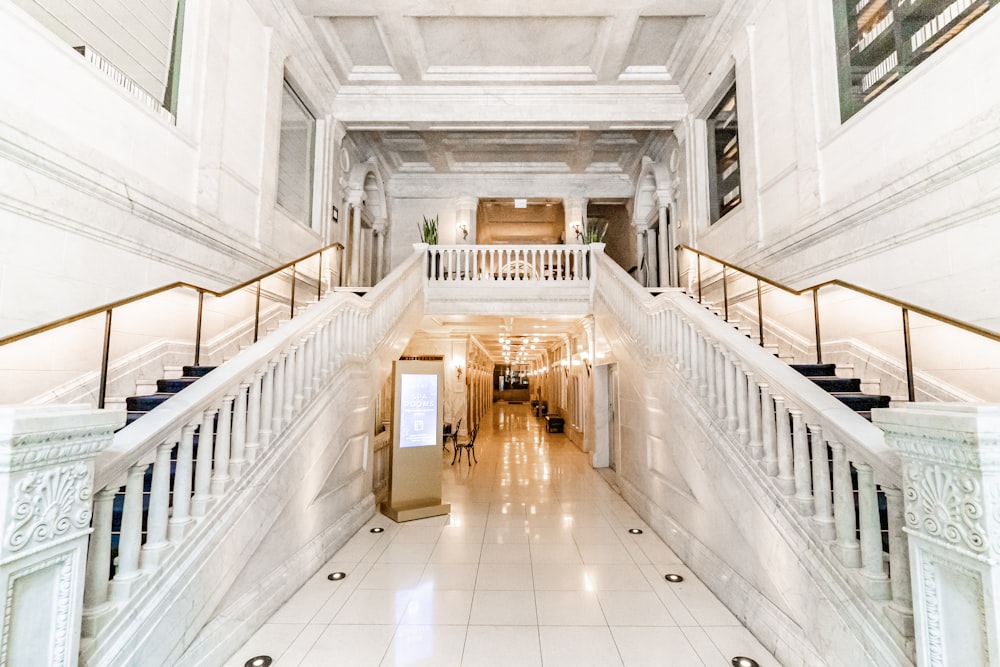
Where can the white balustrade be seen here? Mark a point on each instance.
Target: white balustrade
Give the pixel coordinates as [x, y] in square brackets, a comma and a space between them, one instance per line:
[243, 408]
[796, 432]
[508, 264]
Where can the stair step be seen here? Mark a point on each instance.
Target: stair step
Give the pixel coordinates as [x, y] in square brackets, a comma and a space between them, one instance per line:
[173, 371]
[834, 384]
[862, 402]
[132, 415]
[145, 403]
[197, 371]
[172, 386]
[812, 370]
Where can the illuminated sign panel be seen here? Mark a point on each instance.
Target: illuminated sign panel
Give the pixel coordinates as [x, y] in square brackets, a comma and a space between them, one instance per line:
[418, 412]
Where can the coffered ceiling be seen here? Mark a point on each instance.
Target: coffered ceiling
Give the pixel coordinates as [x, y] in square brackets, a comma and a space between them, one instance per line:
[414, 42]
[509, 86]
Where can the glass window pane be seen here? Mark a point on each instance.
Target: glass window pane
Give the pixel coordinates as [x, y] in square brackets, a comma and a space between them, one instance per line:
[724, 157]
[879, 41]
[295, 157]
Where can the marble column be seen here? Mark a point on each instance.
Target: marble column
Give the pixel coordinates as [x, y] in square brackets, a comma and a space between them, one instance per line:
[354, 276]
[380, 228]
[575, 209]
[46, 503]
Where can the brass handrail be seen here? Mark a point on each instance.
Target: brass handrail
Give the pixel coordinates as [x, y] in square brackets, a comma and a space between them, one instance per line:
[55, 324]
[202, 291]
[906, 308]
[840, 283]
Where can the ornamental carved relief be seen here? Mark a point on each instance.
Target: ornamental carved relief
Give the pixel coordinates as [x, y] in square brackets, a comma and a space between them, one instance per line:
[48, 504]
[946, 504]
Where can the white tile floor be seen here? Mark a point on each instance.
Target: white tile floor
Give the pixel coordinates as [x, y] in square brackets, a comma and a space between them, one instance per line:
[534, 566]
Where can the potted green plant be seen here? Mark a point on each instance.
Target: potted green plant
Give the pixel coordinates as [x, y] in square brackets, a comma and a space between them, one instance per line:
[594, 233]
[428, 230]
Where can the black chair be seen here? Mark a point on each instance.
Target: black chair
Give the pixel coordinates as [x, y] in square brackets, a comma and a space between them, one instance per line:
[469, 447]
[451, 433]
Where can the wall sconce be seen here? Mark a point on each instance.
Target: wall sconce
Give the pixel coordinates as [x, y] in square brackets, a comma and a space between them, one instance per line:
[458, 371]
[463, 227]
[577, 228]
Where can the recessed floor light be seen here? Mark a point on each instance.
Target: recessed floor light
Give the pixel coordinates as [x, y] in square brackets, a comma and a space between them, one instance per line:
[740, 661]
[259, 661]
[377, 530]
[635, 531]
[336, 576]
[673, 578]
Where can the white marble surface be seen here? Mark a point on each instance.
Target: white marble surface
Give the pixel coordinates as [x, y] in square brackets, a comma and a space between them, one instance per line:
[533, 566]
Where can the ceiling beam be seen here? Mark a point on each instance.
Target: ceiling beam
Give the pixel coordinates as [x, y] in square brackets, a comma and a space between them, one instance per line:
[653, 106]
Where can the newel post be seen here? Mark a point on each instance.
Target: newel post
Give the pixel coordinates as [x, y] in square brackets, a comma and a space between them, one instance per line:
[951, 494]
[46, 502]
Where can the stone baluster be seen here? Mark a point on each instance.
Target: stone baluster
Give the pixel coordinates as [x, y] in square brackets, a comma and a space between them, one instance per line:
[711, 388]
[729, 374]
[326, 345]
[203, 466]
[681, 347]
[128, 574]
[755, 443]
[253, 418]
[267, 405]
[288, 410]
[704, 373]
[308, 354]
[238, 460]
[180, 517]
[783, 441]
[822, 491]
[157, 544]
[872, 563]
[223, 447]
[767, 422]
[720, 383]
[802, 466]
[279, 396]
[847, 548]
[299, 385]
[742, 407]
[97, 605]
[317, 360]
[900, 611]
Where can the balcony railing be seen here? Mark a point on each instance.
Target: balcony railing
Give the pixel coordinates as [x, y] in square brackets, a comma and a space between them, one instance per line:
[534, 264]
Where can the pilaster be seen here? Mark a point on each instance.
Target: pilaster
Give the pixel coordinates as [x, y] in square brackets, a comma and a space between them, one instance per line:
[46, 504]
[951, 495]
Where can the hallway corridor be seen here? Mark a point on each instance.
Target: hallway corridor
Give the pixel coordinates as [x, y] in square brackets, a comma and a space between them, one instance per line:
[534, 566]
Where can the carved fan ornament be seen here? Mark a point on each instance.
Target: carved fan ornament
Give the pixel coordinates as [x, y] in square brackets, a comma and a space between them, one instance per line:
[946, 505]
[49, 504]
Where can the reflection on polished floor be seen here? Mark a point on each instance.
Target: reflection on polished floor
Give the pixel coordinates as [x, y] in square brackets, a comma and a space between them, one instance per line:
[534, 566]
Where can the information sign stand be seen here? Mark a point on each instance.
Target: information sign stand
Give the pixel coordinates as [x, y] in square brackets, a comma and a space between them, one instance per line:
[415, 485]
